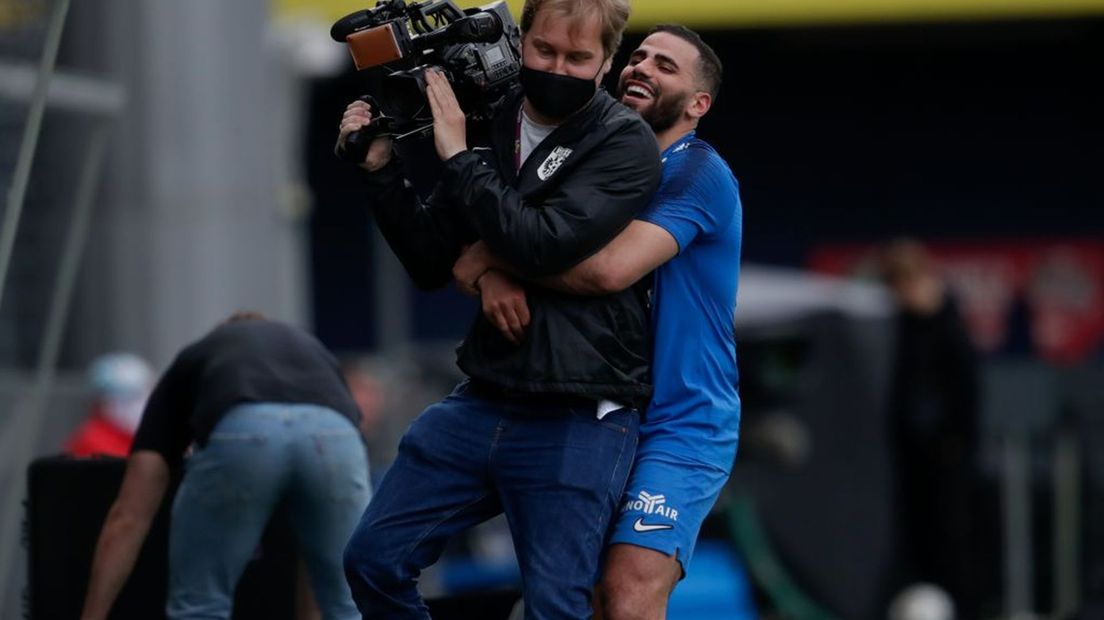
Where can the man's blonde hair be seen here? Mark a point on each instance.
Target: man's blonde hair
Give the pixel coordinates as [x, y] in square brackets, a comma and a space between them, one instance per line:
[613, 15]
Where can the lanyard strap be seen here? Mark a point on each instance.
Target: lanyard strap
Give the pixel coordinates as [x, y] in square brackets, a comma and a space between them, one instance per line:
[517, 142]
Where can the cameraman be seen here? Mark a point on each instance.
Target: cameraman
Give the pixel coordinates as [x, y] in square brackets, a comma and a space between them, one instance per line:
[545, 429]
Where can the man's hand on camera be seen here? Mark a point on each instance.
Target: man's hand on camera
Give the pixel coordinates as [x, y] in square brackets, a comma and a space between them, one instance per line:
[474, 261]
[504, 304]
[449, 123]
[357, 116]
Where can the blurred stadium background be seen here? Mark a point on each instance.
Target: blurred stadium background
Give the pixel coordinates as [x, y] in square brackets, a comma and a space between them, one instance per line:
[175, 164]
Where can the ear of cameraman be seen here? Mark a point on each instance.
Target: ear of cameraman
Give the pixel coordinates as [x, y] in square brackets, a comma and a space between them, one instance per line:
[543, 430]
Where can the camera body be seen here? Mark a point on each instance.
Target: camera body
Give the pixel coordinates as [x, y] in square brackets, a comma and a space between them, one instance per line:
[477, 50]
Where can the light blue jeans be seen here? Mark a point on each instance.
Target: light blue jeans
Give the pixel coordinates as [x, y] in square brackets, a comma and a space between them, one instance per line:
[259, 455]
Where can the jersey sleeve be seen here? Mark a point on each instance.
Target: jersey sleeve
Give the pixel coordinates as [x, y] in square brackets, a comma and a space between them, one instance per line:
[696, 197]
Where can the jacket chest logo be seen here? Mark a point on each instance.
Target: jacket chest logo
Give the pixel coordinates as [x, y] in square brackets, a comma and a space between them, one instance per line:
[553, 162]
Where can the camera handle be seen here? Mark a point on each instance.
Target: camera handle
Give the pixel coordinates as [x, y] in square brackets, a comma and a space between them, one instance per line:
[355, 149]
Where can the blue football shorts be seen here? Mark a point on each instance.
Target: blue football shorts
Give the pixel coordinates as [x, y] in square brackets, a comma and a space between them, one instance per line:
[665, 502]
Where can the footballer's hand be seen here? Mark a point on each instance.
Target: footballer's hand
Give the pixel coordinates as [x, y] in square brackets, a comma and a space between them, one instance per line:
[474, 261]
[504, 304]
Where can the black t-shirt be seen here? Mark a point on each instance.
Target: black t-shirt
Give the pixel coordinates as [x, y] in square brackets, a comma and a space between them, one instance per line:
[245, 361]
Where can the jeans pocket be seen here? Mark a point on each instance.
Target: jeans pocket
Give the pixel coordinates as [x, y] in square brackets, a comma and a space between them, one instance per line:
[343, 457]
[624, 420]
[226, 469]
[596, 446]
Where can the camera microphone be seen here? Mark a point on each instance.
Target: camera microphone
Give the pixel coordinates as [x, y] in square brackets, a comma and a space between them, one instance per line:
[349, 24]
[482, 27]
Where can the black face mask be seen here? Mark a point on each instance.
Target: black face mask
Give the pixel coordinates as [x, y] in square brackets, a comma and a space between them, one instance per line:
[556, 96]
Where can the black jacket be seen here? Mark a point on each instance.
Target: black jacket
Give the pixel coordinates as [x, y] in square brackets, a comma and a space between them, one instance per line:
[542, 221]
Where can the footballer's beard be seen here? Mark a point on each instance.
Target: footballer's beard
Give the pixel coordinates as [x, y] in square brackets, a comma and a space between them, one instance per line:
[664, 110]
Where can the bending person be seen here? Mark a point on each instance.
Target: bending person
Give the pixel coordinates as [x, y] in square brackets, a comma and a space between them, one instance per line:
[271, 420]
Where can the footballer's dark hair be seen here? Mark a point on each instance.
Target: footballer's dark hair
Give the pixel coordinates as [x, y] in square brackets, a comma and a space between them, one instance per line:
[710, 68]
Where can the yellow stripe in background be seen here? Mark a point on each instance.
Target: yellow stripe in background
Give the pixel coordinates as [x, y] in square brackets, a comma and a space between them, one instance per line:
[750, 13]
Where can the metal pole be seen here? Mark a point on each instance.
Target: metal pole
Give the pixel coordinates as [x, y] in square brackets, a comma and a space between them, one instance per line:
[1018, 579]
[29, 143]
[22, 437]
[1067, 524]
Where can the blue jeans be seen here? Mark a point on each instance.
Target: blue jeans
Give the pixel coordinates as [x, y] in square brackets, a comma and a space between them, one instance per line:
[555, 470]
[260, 454]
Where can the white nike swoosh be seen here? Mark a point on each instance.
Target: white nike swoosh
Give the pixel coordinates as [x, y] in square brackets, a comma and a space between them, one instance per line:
[640, 526]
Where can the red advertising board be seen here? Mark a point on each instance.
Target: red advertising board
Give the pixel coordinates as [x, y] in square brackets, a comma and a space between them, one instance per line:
[1059, 284]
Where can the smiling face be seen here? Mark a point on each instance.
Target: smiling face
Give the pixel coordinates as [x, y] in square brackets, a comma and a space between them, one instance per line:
[661, 82]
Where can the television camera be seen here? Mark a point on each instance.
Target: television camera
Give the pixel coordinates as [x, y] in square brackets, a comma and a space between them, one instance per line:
[477, 50]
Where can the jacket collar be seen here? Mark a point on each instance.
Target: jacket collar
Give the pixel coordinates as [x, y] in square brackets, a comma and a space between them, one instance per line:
[558, 152]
